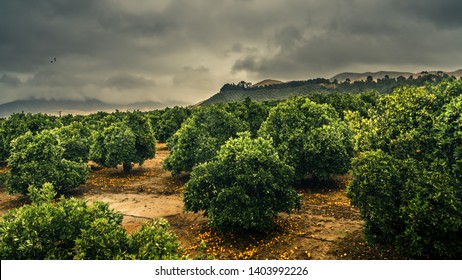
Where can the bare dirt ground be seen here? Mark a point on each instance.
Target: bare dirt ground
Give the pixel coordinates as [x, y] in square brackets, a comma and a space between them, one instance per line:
[326, 227]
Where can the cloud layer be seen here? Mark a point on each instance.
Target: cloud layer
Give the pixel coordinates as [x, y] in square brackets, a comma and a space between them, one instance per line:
[183, 51]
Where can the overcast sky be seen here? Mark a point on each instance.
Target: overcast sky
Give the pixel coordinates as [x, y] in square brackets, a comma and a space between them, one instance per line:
[183, 51]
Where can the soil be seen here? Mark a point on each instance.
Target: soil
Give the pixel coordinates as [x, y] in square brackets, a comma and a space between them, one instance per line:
[326, 227]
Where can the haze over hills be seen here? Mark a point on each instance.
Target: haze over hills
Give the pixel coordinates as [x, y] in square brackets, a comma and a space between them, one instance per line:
[83, 107]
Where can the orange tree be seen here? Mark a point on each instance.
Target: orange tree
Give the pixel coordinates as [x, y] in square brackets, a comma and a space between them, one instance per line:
[167, 121]
[75, 139]
[200, 137]
[73, 229]
[122, 138]
[406, 178]
[309, 137]
[243, 187]
[18, 124]
[37, 159]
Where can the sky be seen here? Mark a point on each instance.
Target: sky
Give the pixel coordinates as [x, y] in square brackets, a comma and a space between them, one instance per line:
[182, 51]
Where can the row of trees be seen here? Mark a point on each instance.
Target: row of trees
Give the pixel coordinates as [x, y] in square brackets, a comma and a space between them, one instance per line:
[60, 154]
[405, 155]
[72, 229]
[51, 157]
[245, 158]
[164, 123]
[403, 150]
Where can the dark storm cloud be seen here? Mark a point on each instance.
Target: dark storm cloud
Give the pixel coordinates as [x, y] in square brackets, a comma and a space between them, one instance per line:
[363, 35]
[443, 13]
[168, 50]
[32, 32]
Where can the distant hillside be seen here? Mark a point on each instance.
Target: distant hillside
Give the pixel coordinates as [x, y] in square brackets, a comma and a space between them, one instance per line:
[70, 106]
[382, 82]
[375, 76]
[267, 82]
[391, 74]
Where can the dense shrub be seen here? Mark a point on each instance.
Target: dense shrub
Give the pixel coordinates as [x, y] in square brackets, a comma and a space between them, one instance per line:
[145, 140]
[309, 137]
[166, 122]
[251, 112]
[345, 101]
[125, 139]
[114, 145]
[37, 159]
[75, 139]
[406, 178]
[243, 187]
[18, 124]
[200, 137]
[71, 229]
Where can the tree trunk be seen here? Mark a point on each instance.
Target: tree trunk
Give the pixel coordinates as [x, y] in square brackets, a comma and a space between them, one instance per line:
[127, 167]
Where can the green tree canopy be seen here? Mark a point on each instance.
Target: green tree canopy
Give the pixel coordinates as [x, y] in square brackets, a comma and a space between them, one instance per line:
[37, 159]
[406, 178]
[243, 187]
[200, 137]
[75, 139]
[18, 124]
[166, 122]
[123, 139]
[72, 229]
[309, 137]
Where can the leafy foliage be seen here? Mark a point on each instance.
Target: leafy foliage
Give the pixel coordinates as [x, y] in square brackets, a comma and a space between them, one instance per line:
[114, 145]
[18, 124]
[123, 140]
[309, 137]
[166, 122]
[200, 137]
[243, 187]
[145, 140]
[71, 229]
[406, 179]
[251, 112]
[37, 159]
[342, 102]
[75, 139]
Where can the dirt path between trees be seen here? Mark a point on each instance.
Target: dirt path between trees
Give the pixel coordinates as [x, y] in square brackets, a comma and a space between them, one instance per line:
[326, 227]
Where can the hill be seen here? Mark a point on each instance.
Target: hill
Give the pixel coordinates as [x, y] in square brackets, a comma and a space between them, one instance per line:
[55, 107]
[375, 76]
[382, 82]
[267, 82]
[391, 74]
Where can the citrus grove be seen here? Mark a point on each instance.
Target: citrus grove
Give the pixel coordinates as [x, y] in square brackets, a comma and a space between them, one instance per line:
[240, 167]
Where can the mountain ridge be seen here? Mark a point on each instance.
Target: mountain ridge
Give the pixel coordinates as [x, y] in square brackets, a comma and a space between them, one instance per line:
[357, 76]
[347, 82]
